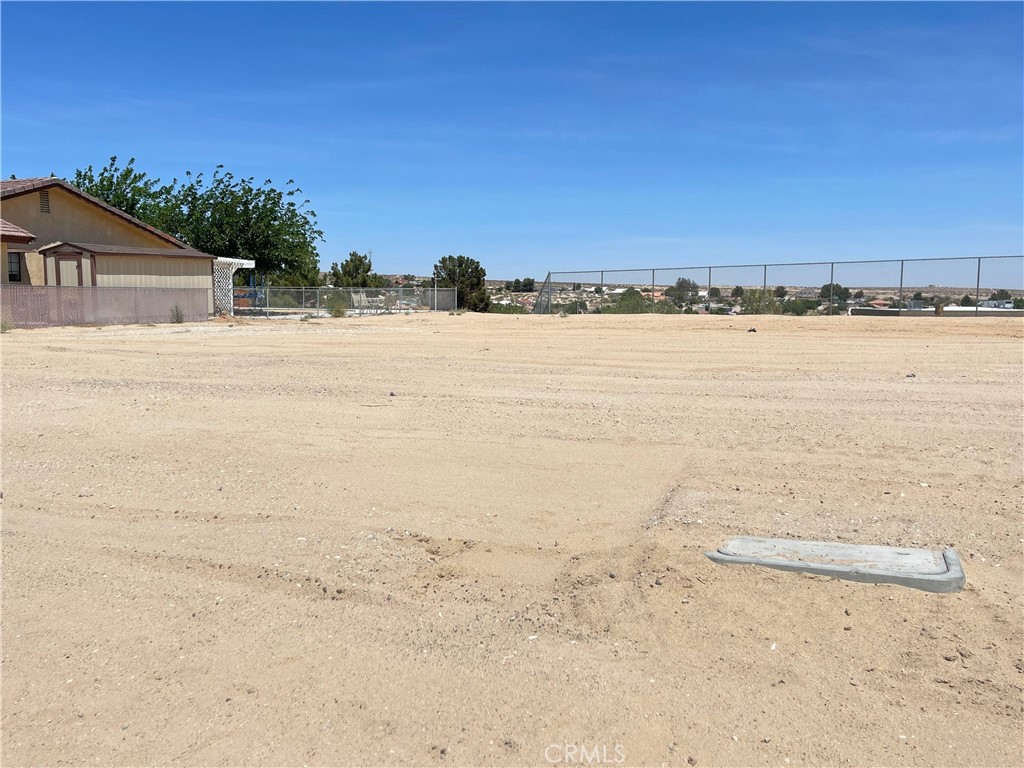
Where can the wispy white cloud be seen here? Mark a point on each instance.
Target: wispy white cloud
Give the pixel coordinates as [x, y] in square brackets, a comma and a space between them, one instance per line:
[971, 136]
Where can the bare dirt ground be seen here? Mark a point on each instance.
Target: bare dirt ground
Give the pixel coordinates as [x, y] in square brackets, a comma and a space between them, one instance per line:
[478, 540]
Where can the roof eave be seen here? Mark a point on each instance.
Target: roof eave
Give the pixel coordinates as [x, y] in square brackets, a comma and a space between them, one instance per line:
[98, 203]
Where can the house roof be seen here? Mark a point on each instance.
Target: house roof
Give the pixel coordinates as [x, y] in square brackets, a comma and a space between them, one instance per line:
[12, 233]
[15, 187]
[99, 249]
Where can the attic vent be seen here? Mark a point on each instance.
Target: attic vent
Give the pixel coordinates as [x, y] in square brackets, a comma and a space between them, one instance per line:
[44, 201]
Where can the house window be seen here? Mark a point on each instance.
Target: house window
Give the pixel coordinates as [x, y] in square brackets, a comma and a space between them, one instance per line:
[14, 267]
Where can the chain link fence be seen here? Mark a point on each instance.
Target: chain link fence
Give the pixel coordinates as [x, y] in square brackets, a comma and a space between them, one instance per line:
[975, 285]
[36, 306]
[341, 302]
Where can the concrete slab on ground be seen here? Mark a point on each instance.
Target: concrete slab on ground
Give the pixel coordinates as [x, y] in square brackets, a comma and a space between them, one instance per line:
[925, 569]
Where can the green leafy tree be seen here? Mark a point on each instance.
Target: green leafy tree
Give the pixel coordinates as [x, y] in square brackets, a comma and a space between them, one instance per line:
[737, 292]
[1018, 303]
[236, 218]
[859, 295]
[598, 289]
[524, 285]
[683, 292]
[794, 307]
[354, 272]
[714, 292]
[1001, 295]
[467, 277]
[781, 291]
[967, 300]
[756, 301]
[128, 190]
[918, 296]
[631, 302]
[835, 291]
[223, 216]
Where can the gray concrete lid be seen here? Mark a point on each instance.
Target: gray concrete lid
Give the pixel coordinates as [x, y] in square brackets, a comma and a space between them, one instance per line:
[925, 569]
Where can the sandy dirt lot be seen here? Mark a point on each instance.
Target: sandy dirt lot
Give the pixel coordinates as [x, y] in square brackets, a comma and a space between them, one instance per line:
[478, 540]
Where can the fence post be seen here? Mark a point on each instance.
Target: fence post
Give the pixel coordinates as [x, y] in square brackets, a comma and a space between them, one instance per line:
[832, 288]
[977, 288]
[708, 305]
[899, 309]
[318, 302]
[764, 281]
[652, 291]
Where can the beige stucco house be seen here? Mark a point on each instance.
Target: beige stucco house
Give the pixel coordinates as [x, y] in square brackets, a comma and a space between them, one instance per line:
[82, 241]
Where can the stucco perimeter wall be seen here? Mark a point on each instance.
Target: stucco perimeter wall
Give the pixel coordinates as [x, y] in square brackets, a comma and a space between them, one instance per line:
[154, 272]
[72, 219]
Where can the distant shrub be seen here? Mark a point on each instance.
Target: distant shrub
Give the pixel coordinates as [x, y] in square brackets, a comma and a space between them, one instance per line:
[286, 301]
[338, 309]
[794, 307]
[574, 308]
[177, 314]
[632, 302]
[1018, 303]
[835, 309]
[507, 309]
[5, 326]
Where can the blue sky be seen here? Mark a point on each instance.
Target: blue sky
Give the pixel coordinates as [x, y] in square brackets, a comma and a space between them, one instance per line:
[538, 137]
